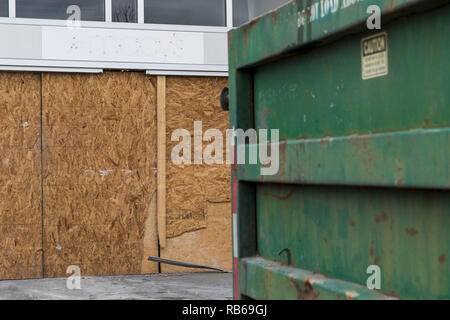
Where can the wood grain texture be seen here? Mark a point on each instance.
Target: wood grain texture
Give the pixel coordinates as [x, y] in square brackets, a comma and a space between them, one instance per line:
[20, 176]
[189, 187]
[210, 246]
[198, 196]
[161, 203]
[99, 172]
[150, 237]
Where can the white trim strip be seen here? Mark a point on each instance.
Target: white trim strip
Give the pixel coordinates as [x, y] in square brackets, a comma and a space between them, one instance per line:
[44, 69]
[140, 10]
[186, 73]
[112, 65]
[229, 11]
[108, 11]
[235, 236]
[12, 8]
[115, 25]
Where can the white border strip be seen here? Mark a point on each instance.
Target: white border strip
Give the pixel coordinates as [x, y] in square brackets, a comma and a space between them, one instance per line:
[12, 8]
[229, 13]
[44, 69]
[115, 25]
[186, 73]
[140, 10]
[108, 11]
[112, 65]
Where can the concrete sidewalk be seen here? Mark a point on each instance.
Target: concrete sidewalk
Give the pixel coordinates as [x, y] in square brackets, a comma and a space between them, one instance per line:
[181, 286]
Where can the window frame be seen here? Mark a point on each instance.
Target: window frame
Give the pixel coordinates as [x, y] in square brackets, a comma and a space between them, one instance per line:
[224, 3]
[108, 23]
[13, 3]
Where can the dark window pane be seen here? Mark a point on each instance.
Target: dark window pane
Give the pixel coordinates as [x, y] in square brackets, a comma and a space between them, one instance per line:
[240, 12]
[246, 10]
[4, 8]
[91, 10]
[124, 10]
[187, 12]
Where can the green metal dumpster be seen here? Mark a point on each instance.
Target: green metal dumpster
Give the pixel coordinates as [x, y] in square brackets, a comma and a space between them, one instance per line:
[362, 193]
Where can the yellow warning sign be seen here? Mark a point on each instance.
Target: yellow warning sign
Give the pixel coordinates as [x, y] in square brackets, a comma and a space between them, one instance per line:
[374, 56]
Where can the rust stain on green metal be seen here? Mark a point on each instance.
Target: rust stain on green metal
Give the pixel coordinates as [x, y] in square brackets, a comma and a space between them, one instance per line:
[364, 164]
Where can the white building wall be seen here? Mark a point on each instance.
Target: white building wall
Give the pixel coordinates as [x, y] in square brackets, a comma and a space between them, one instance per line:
[102, 45]
[57, 45]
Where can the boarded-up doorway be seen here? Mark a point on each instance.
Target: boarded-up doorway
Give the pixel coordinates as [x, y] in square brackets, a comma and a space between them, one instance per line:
[99, 134]
[78, 159]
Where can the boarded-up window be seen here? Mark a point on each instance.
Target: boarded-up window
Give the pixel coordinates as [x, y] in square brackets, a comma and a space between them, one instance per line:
[90, 10]
[4, 8]
[187, 12]
[124, 10]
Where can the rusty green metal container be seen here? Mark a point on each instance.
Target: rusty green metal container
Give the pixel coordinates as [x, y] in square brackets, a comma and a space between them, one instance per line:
[364, 125]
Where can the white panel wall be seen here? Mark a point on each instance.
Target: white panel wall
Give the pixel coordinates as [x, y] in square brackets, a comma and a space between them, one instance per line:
[52, 44]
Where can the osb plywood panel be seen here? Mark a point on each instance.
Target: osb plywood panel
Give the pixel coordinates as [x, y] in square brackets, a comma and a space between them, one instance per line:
[19, 100]
[96, 203]
[20, 137]
[19, 164]
[20, 204]
[214, 181]
[99, 172]
[20, 176]
[189, 187]
[184, 193]
[62, 164]
[20, 272]
[192, 99]
[210, 246]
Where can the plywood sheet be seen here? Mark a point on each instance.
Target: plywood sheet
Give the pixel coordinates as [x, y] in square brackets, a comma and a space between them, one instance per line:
[210, 246]
[19, 100]
[20, 204]
[198, 196]
[99, 175]
[192, 99]
[99, 172]
[20, 176]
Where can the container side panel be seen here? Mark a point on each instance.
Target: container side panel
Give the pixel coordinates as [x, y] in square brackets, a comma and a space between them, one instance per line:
[321, 93]
[341, 231]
